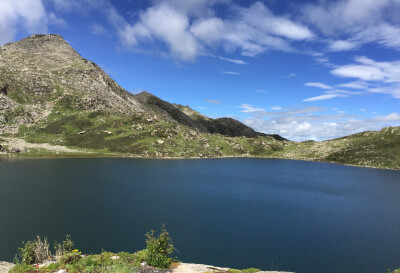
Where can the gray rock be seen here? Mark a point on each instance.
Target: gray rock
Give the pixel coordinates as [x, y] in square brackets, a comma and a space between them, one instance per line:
[5, 267]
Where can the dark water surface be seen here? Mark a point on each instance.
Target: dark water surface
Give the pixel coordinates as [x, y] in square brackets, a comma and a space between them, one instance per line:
[298, 216]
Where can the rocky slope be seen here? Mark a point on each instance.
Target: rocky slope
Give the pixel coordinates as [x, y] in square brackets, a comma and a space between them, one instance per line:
[42, 72]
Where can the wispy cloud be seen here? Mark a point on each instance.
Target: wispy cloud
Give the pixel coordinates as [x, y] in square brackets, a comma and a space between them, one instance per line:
[341, 45]
[97, 29]
[372, 76]
[322, 97]
[318, 85]
[235, 61]
[230, 72]
[248, 108]
[213, 101]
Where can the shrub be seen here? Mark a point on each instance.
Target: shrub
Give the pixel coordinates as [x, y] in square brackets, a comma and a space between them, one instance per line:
[159, 249]
[27, 253]
[35, 251]
[65, 247]
[70, 258]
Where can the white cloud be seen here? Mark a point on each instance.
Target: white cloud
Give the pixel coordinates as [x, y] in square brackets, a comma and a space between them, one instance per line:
[359, 21]
[276, 108]
[322, 97]
[191, 28]
[362, 72]
[318, 85]
[341, 45]
[235, 61]
[208, 30]
[230, 72]
[170, 26]
[354, 85]
[372, 76]
[260, 17]
[369, 70]
[26, 15]
[318, 127]
[248, 108]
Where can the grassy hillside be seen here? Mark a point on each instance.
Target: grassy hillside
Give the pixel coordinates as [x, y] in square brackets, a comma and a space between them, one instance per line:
[379, 149]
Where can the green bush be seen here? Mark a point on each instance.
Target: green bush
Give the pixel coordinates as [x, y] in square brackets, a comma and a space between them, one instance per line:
[65, 247]
[27, 253]
[32, 252]
[70, 258]
[159, 249]
[37, 251]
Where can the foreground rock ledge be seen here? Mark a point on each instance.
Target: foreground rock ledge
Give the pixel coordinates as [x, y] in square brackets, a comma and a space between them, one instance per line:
[182, 268]
[5, 266]
[202, 268]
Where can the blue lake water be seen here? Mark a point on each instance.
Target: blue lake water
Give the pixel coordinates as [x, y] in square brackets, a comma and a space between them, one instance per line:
[305, 217]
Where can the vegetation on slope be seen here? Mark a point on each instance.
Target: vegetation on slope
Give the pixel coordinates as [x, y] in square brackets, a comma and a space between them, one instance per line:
[380, 149]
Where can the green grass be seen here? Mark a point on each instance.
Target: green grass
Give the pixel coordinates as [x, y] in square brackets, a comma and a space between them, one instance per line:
[106, 262]
[372, 149]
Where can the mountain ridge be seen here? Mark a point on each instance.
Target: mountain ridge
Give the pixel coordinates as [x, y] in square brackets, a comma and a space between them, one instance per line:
[53, 102]
[73, 73]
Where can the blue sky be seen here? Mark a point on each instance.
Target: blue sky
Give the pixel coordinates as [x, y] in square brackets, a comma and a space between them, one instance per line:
[301, 69]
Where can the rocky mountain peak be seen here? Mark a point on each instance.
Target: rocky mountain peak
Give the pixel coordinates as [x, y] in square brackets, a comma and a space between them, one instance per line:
[40, 42]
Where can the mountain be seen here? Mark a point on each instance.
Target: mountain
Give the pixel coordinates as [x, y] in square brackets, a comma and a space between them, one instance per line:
[54, 102]
[193, 119]
[49, 94]
[42, 72]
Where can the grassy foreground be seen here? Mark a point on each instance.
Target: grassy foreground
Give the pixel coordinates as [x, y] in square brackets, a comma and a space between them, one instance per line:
[36, 257]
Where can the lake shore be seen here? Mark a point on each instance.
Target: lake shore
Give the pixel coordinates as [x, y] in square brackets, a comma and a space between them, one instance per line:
[119, 156]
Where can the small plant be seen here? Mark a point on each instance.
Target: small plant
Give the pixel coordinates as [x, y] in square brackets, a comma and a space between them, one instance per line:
[159, 249]
[70, 258]
[35, 251]
[38, 250]
[65, 247]
[26, 253]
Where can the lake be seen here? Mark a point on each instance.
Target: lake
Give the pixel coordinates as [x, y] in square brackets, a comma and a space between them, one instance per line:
[306, 217]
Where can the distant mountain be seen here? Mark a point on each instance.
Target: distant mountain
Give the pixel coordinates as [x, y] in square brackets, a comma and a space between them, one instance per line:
[54, 102]
[193, 119]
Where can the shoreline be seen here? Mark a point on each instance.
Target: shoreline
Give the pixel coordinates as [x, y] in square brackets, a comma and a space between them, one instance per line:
[119, 156]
